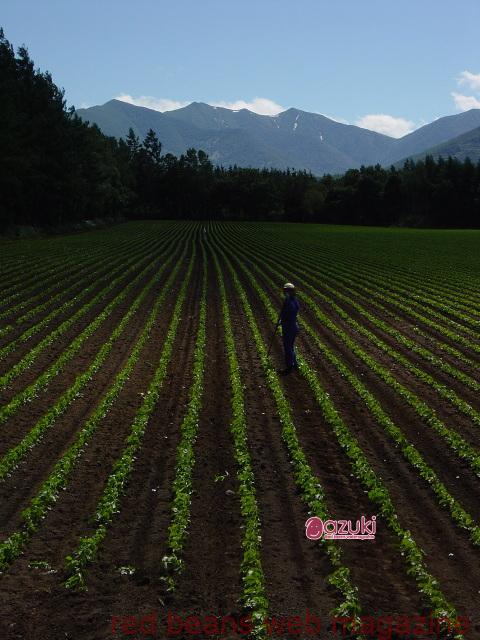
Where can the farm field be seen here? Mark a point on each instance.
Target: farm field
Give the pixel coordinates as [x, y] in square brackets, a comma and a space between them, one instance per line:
[155, 464]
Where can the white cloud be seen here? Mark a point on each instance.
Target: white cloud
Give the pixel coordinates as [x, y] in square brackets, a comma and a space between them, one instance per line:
[263, 106]
[464, 103]
[388, 125]
[157, 104]
[470, 79]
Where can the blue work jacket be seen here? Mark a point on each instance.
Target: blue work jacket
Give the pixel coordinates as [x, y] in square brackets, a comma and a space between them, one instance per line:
[288, 316]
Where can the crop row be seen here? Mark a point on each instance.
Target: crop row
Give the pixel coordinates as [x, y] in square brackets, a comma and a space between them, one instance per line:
[12, 458]
[432, 278]
[388, 328]
[185, 460]
[57, 366]
[41, 259]
[428, 415]
[109, 503]
[415, 286]
[51, 487]
[356, 276]
[403, 340]
[400, 338]
[444, 391]
[42, 277]
[383, 283]
[66, 283]
[463, 519]
[377, 492]
[114, 277]
[255, 599]
[395, 299]
[308, 484]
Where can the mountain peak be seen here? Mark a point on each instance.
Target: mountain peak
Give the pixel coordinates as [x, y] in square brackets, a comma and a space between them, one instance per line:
[293, 138]
[195, 106]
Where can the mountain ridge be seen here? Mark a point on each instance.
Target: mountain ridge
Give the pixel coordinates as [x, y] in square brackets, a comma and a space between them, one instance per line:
[294, 138]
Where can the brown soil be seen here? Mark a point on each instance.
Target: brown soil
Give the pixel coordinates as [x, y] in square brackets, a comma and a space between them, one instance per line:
[34, 604]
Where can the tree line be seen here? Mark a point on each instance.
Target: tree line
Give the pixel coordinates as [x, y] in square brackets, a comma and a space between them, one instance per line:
[56, 169]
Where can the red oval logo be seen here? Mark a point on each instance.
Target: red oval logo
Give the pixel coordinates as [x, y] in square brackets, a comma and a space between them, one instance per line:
[314, 528]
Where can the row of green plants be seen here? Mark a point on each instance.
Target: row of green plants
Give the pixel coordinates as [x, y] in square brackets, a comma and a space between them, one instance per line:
[74, 265]
[32, 390]
[50, 489]
[421, 408]
[112, 278]
[109, 503]
[444, 391]
[182, 487]
[377, 492]
[32, 273]
[459, 445]
[405, 300]
[14, 455]
[21, 285]
[40, 258]
[397, 277]
[322, 278]
[402, 339]
[322, 267]
[415, 286]
[397, 320]
[463, 519]
[308, 484]
[442, 346]
[255, 599]
[66, 283]
[27, 360]
[388, 328]
[436, 273]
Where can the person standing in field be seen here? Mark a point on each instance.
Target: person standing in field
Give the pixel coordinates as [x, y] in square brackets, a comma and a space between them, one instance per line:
[290, 328]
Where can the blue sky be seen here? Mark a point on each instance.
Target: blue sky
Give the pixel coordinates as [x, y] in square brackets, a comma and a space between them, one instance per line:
[384, 64]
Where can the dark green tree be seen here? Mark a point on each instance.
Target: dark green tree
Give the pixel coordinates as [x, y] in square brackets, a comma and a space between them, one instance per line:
[152, 146]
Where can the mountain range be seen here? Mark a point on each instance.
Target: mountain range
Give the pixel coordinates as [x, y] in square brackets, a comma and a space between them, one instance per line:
[293, 138]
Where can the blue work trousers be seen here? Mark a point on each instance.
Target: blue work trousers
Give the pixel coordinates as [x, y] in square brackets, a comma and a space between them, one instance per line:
[289, 333]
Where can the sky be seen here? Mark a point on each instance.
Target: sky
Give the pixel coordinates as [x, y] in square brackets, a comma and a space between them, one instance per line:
[386, 65]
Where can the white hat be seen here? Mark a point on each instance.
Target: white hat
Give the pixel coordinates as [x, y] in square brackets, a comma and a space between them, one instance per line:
[288, 285]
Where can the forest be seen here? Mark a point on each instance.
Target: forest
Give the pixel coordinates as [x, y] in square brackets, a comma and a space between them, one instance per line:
[56, 170]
